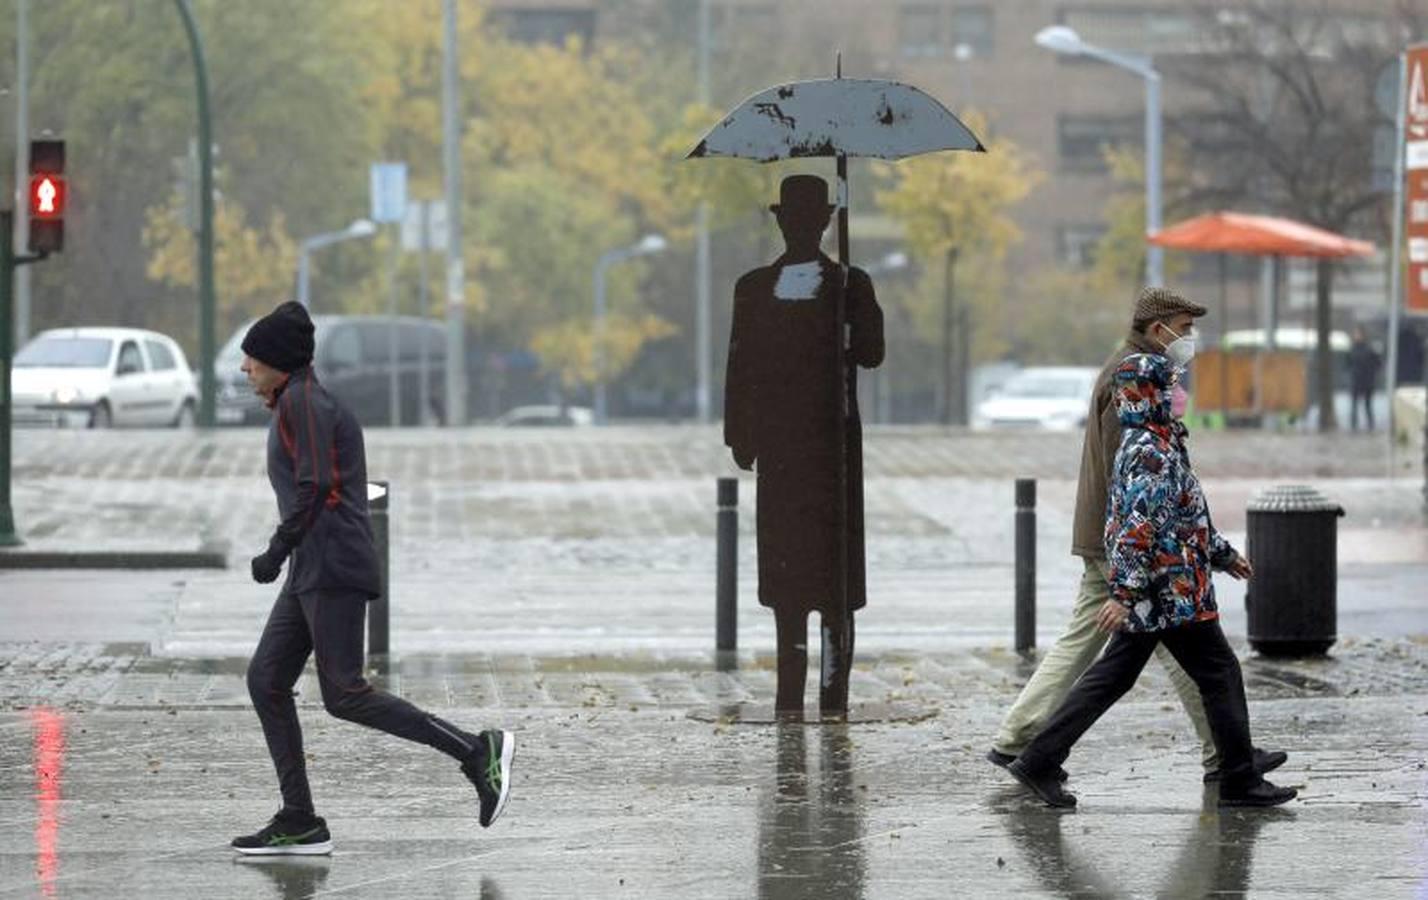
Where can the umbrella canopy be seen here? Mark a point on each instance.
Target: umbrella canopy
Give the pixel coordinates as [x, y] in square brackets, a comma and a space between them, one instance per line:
[837, 117]
[1231, 232]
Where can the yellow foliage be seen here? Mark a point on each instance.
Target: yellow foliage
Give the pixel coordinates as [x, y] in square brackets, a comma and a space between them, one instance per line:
[252, 267]
[959, 201]
[568, 348]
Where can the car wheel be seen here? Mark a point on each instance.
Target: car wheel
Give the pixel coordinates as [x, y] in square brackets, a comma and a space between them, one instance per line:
[186, 417]
[101, 417]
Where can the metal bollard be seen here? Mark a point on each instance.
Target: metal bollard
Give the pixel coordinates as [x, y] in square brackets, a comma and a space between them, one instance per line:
[1025, 564]
[379, 612]
[726, 591]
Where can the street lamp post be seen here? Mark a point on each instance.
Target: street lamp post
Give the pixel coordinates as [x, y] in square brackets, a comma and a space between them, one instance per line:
[650, 243]
[207, 297]
[361, 228]
[1064, 40]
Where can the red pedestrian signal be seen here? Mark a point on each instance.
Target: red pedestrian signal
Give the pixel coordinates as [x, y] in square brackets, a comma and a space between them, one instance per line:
[48, 196]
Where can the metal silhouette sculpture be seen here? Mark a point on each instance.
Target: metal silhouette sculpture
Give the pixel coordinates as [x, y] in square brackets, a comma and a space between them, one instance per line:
[801, 325]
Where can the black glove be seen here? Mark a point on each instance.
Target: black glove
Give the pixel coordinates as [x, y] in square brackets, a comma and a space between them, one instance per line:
[744, 460]
[266, 568]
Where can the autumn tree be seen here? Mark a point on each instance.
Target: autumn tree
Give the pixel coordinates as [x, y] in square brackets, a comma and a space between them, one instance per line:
[955, 211]
[254, 265]
[1286, 119]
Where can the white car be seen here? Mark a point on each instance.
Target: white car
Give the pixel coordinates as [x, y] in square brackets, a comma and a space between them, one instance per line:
[102, 377]
[1054, 398]
[546, 416]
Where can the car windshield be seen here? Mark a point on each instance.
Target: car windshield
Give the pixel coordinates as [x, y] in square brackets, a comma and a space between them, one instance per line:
[1045, 386]
[65, 353]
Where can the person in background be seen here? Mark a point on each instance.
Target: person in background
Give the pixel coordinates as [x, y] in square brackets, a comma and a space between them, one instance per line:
[1364, 363]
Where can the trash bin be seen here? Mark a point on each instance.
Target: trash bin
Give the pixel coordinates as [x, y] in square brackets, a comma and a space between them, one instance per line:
[1292, 599]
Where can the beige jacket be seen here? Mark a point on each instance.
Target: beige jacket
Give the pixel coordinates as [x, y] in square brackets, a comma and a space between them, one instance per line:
[1098, 454]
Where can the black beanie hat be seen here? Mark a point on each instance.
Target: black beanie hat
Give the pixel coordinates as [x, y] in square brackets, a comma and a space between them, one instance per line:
[282, 339]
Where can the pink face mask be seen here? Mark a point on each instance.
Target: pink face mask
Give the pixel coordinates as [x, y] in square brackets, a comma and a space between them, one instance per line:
[1178, 400]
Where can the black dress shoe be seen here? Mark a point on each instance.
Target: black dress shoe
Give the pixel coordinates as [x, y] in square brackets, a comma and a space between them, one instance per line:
[1262, 794]
[1264, 761]
[998, 758]
[1044, 785]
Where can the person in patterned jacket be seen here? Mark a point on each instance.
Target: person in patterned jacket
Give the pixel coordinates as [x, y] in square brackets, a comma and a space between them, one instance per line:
[1162, 548]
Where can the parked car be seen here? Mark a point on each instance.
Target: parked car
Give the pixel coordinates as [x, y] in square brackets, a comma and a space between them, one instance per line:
[102, 377]
[546, 415]
[354, 360]
[1053, 398]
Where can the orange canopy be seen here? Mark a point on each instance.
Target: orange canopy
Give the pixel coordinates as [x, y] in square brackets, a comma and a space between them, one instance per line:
[1231, 232]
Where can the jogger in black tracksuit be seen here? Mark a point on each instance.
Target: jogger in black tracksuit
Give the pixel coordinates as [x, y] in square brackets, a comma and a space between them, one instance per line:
[318, 470]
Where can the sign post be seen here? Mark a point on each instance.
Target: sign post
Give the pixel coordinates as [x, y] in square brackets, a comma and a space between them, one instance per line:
[1411, 215]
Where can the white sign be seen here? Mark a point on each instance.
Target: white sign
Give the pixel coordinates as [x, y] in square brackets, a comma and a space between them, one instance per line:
[435, 223]
[389, 192]
[1416, 155]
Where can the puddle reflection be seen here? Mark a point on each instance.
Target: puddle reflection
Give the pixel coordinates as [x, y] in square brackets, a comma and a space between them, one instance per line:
[49, 741]
[811, 820]
[293, 876]
[1215, 858]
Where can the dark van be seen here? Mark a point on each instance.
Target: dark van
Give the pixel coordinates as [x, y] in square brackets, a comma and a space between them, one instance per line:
[355, 358]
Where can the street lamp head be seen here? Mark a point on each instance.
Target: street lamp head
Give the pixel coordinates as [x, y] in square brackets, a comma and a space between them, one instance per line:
[1061, 39]
[651, 243]
[362, 228]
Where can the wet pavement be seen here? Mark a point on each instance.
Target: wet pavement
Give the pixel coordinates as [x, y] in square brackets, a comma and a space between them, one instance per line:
[563, 586]
[620, 793]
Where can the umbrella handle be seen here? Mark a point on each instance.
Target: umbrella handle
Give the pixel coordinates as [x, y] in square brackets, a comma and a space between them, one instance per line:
[843, 383]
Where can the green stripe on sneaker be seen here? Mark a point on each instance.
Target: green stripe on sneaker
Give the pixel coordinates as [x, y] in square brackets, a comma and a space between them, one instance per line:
[283, 840]
[493, 763]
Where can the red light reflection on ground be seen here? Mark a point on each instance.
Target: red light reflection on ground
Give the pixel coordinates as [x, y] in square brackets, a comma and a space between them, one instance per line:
[49, 765]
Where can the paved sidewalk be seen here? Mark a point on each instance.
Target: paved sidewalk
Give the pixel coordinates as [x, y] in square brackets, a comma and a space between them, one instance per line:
[620, 793]
[562, 585]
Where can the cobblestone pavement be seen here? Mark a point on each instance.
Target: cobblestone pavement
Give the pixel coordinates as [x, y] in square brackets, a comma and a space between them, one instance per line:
[175, 490]
[85, 676]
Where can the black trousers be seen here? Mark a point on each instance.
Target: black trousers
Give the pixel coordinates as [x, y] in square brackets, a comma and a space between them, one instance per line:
[329, 626]
[1366, 396]
[1204, 654]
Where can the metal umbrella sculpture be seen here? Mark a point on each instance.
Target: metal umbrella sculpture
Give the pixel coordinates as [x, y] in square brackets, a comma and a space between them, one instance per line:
[838, 117]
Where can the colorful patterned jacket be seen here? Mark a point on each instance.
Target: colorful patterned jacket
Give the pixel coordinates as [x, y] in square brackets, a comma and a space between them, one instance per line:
[1160, 542]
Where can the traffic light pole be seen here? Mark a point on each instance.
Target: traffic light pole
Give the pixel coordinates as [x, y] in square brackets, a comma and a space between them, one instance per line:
[206, 301]
[9, 537]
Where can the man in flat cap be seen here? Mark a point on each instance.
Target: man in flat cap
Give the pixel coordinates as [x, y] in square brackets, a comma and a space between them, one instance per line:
[784, 404]
[1163, 323]
[317, 467]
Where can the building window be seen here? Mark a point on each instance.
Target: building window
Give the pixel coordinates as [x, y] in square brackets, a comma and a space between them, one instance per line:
[972, 28]
[1082, 140]
[546, 26]
[1076, 244]
[935, 29]
[921, 30]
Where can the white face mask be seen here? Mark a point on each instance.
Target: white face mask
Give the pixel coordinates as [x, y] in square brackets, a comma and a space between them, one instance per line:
[1182, 349]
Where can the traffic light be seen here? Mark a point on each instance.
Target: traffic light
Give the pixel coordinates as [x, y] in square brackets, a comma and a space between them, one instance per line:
[48, 195]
